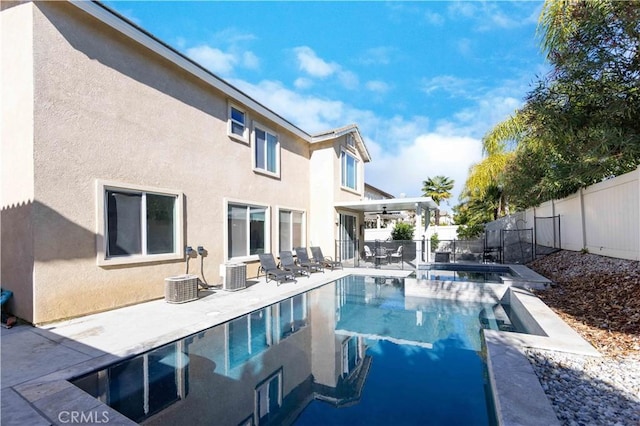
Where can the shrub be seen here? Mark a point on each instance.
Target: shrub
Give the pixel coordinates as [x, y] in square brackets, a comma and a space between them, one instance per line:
[434, 242]
[402, 232]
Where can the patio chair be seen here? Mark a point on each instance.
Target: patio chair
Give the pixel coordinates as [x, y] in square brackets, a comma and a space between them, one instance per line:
[303, 260]
[381, 255]
[396, 256]
[270, 269]
[289, 264]
[327, 261]
[368, 255]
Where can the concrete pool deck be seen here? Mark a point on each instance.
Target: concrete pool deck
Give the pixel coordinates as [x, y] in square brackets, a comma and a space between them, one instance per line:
[37, 362]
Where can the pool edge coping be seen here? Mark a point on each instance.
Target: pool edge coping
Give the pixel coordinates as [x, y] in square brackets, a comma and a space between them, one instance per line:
[523, 401]
[497, 343]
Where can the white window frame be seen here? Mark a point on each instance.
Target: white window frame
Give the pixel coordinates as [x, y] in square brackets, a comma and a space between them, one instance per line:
[264, 386]
[180, 375]
[302, 298]
[346, 371]
[344, 154]
[267, 312]
[245, 133]
[102, 239]
[267, 236]
[281, 209]
[254, 147]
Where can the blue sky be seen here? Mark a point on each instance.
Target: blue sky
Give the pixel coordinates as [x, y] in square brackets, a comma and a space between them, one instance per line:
[424, 80]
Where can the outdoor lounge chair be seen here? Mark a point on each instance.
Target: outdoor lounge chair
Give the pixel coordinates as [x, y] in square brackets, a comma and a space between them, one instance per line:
[269, 267]
[327, 261]
[289, 264]
[303, 260]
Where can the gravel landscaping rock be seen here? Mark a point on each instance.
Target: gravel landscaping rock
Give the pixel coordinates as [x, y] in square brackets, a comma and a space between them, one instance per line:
[600, 298]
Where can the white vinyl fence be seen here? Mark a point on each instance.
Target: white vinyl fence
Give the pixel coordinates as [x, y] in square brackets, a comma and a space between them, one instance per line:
[603, 218]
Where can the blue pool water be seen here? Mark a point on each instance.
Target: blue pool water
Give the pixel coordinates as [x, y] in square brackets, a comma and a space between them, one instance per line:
[355, 351]
[464, 272]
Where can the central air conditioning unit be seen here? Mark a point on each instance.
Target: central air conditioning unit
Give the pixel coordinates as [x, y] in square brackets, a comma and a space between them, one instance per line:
[181, 288]
[234, 276]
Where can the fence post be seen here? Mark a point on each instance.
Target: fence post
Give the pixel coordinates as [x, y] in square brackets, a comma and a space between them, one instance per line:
[583, 223]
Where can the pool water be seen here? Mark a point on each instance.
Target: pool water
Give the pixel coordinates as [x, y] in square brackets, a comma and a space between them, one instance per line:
[355, 351]
[465, 273]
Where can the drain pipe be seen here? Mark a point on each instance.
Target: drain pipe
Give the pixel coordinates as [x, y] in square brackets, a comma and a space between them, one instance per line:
[203, 253]
[189, 252]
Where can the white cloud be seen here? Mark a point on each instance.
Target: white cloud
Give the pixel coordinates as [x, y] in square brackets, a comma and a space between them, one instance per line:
[223, 52]
[488, 16]
[462, 8]
[180, 42]
[405, 149]
[310, 63]
[309, 113]
[377, 56]
[213, 59]
[232, 37]
[303, 83]
[454, 86]
[250, 60]
[377, 86]
[317, 67]
[222, 62]
[428, 155]
[348, 79]
[486, 113]
[464, 46]
[434, 18]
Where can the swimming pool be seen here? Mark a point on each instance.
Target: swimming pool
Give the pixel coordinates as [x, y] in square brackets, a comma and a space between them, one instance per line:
[353, 351]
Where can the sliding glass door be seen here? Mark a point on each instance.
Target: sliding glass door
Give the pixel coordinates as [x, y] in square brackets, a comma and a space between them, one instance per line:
[347, 236]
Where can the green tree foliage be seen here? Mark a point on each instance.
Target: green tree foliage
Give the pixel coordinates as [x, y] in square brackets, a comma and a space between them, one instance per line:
[472, 214]
[402, 231]
[439, 189]
[579, 125]
[435, 241]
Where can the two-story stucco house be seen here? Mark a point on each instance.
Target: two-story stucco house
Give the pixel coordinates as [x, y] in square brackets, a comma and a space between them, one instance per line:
[118, 152]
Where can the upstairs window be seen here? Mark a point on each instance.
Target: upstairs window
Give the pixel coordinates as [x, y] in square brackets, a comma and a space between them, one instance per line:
[349, 171]
[266, 150]
[238, 123]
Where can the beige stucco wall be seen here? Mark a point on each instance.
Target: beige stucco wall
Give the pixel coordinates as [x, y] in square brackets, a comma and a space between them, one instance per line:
[326, 190]
[16, 155]
[107, 108]
[326, 355]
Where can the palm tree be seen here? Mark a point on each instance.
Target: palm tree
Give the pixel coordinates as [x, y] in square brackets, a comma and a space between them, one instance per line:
[485, 178]
[438, 188]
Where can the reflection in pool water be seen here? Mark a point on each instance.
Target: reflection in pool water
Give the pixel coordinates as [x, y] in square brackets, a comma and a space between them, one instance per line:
[355, 351]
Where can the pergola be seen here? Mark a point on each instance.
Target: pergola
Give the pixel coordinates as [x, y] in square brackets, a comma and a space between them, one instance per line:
[421, 205]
